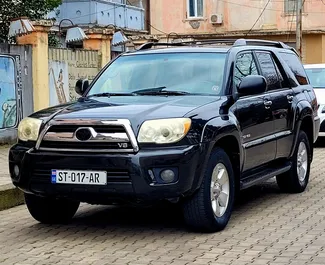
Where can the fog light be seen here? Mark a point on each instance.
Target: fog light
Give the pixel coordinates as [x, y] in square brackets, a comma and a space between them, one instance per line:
[167, 175]
[16, 170]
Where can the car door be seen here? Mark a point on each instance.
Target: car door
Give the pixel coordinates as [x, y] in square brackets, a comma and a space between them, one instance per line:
[254, 115]
[281, 96]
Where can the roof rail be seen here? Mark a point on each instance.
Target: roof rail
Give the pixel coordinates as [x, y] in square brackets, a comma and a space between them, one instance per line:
[149, 45]
[257, 42]
[232, 42]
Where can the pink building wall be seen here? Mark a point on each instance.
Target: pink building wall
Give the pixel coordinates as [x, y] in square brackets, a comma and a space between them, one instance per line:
[238, 15]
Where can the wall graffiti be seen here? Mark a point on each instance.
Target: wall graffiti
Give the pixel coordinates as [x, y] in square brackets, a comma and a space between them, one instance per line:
[8, 99]
[58, 83]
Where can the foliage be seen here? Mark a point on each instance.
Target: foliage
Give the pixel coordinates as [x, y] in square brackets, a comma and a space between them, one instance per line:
[54, 41]
[33, 9]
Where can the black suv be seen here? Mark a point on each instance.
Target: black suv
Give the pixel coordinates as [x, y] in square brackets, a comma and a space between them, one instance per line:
[191, 123]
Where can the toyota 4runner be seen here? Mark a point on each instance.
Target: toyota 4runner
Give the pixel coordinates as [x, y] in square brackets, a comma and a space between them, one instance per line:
[190, 122]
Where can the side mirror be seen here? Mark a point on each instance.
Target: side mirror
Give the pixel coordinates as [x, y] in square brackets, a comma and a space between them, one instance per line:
[81, 86]
[252, 85]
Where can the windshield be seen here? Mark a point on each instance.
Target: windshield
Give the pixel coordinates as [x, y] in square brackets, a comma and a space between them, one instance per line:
[190, 73]
[316, 77]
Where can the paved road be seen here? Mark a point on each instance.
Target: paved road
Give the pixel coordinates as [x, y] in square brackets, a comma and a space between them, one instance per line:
[267, 227]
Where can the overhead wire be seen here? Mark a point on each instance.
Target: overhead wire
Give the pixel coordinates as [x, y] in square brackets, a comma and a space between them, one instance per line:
[294, 10]
[259, 17]
[225, 1]
[268, 9]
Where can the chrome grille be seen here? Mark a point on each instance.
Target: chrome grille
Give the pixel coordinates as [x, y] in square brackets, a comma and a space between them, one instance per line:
[101, 136]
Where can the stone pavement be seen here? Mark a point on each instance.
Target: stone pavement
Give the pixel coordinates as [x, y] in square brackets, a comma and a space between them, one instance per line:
[267, 227]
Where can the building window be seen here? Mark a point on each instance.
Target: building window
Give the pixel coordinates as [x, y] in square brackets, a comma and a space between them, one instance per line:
[290, 6]
[195, 8]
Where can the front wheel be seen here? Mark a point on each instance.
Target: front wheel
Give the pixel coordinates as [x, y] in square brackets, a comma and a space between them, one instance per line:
[51, 210]
[296, 180]
[210, 208]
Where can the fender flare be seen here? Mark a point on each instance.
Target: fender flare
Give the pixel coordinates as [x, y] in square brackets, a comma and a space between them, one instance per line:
[303, 110]
[213, 131]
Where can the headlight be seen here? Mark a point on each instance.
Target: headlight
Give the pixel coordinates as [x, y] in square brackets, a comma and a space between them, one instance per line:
[28, 129]
[164, 131]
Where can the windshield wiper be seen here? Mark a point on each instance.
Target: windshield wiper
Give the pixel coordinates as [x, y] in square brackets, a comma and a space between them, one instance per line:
[159, 91]
[165, 92]
[106, 94]
[149, 89]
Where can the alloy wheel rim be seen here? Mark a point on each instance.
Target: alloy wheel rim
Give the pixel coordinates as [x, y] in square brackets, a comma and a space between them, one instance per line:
[219, 190]
[302, 161]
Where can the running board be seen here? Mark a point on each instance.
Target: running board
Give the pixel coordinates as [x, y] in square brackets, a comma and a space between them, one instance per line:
[263, 176]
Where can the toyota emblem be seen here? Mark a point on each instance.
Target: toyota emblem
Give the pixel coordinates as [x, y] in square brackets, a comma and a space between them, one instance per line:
[83, 134]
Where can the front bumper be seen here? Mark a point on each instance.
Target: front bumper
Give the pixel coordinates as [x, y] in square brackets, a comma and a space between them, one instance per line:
[35, 173]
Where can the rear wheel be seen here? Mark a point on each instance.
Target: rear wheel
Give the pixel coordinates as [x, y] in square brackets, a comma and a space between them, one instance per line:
[51, 210]
[209, 209]
[296, 180]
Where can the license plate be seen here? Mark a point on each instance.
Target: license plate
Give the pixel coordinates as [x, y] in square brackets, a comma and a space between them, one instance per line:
[79, 177]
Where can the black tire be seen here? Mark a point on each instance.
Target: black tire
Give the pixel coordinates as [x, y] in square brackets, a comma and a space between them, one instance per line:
[51, 210]
[289, 181]
[197, 209]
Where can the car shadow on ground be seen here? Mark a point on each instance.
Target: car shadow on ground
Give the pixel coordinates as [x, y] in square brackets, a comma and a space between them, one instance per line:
[164, 219]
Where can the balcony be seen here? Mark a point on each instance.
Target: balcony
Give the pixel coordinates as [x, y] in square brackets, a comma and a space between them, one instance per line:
[100, 13]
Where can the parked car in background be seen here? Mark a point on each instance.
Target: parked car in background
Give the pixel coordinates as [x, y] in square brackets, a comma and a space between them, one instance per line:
[316, 75]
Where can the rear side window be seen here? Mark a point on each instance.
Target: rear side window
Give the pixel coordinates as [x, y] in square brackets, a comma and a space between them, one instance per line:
[296, 67]
[269, 70]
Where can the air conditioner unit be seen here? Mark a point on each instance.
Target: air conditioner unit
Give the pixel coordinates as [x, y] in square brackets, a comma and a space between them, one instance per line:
[216, 19]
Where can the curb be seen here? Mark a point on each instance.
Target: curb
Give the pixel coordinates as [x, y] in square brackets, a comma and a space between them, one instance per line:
[10, 196]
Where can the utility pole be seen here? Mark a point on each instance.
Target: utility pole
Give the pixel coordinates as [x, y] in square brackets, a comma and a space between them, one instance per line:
[299, 28]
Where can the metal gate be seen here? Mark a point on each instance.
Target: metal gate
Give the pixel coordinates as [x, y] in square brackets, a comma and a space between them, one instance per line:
[16, 90]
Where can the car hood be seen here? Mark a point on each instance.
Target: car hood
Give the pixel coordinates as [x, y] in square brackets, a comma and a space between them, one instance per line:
[320, 95]
[135, 108]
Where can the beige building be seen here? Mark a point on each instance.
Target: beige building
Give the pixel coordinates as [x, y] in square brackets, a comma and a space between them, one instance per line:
[242, 18]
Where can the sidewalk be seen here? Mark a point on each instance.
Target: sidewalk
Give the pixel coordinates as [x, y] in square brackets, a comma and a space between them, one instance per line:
[9, 195]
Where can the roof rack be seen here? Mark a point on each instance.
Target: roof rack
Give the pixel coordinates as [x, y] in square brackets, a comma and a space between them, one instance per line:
[232, 42]
[149, 45]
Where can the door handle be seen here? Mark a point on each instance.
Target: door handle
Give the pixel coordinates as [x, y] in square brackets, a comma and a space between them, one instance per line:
[267, 104]
[290, 98]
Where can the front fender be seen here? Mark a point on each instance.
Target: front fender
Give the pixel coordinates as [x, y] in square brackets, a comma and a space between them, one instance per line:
[303, 111]
[215, 130]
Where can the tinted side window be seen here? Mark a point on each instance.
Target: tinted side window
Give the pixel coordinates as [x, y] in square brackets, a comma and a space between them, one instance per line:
[296, 67]
[268, 70]
[245, 65]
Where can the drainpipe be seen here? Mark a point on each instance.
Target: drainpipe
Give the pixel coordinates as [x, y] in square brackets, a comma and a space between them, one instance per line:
[147, 17]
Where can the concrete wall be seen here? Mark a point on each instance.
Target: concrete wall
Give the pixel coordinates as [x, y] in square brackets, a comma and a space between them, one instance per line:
[75, 64]
[171, 16]
[22, 56]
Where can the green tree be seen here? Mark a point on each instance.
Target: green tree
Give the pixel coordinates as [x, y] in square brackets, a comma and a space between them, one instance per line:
[33, 9]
